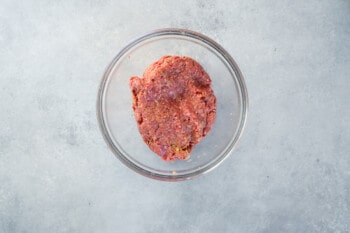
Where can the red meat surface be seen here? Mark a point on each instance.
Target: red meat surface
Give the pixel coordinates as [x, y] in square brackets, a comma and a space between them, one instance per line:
[174, 106]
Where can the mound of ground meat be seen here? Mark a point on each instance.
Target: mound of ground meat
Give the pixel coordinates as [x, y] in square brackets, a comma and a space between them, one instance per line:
[174, 106]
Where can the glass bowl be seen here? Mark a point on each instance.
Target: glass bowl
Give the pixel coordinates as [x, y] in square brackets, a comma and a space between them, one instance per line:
[116, 118]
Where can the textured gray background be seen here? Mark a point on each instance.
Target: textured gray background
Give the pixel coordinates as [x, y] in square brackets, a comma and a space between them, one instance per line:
[290, 172]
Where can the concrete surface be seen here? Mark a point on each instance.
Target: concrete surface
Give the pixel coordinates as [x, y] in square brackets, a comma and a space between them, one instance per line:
[290, 172]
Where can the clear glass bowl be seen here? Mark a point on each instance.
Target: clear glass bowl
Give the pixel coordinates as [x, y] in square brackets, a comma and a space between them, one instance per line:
[117, 121]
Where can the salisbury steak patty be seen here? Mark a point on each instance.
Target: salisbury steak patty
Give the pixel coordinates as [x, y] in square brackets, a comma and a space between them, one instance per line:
[174, 106]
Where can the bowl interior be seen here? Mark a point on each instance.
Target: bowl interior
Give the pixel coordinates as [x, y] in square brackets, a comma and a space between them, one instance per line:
[118, 122]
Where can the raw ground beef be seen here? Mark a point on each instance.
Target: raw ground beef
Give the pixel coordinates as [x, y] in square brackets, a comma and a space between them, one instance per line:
[174, 106]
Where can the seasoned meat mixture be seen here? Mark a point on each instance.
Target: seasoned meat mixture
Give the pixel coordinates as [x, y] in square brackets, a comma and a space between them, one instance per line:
[174, 106]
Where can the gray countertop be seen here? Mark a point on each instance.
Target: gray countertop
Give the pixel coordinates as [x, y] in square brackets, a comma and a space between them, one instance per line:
[289, 173]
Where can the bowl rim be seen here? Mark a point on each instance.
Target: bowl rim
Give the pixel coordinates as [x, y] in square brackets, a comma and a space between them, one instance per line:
[179, 32]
